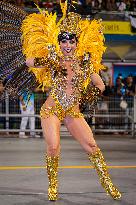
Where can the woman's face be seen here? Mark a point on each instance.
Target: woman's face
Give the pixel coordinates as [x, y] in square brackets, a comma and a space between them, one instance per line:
[68, 46]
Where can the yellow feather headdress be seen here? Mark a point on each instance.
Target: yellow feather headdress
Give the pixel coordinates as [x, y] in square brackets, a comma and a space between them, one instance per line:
[40, 34]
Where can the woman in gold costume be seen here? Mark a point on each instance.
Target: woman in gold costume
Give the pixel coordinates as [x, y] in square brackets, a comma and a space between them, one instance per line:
[65, 56]
[65, 95]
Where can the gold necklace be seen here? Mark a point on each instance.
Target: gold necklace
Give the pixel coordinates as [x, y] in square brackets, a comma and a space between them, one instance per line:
[68, 58]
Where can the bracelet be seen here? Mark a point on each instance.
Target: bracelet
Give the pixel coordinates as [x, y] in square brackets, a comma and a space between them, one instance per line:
[39, 61]
[91, 96]
[91, 93]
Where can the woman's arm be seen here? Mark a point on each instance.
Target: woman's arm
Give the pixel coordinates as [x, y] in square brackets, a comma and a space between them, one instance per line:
[97, 81]
[30, 62]
[36, 62]
[93, 91]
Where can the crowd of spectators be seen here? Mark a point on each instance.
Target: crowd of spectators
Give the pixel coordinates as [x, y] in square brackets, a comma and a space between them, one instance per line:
[117, 99]
[123, 87]
[113, 5]
[85, 6]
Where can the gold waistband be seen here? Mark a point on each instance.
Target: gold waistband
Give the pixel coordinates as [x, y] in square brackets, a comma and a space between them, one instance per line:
[59, 112]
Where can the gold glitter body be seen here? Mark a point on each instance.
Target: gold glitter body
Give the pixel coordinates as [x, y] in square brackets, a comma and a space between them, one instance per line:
[100, 165]
[52, 171]
[67, 89]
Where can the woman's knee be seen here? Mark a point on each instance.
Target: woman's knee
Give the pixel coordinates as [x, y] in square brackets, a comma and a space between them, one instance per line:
[90, 147]
[53, 149]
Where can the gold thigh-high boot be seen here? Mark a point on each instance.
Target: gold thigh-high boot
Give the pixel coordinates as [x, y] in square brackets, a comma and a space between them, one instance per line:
[52, 171]
[100, 165]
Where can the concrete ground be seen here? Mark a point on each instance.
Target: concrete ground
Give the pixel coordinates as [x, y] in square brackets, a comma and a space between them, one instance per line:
[23, 178]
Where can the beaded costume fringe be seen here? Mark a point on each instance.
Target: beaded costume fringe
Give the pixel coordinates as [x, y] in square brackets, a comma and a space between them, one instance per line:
[13, 70]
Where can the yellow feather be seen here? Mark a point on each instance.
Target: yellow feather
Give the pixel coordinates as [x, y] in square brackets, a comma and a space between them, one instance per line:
[41, 30]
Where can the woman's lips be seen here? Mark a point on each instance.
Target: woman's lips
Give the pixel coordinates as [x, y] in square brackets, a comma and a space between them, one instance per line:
[68, 50]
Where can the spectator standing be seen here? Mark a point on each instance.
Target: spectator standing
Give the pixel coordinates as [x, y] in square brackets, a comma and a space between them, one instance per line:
[118, 105]
[79, 2]
[106, 77]
[133, 5]
[27, 108]
[128, 5]
[96, 4]
[109, 6]
[103, 5]
[130, 86]
[88, 7]
[130, 91]
[89, 2]
[121, 5]
[119, 89]
[100, 3]
[103, 105]
[113, 5]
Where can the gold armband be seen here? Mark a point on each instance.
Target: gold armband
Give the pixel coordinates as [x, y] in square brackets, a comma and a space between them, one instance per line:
[91, 93]
[91, 96]
[39, 62]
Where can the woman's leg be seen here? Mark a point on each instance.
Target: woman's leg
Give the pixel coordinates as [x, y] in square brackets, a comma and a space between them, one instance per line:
[81, 131]
[51, 132]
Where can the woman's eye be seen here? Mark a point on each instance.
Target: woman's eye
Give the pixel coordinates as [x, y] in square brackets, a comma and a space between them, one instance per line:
[72, 42]
[63, 41]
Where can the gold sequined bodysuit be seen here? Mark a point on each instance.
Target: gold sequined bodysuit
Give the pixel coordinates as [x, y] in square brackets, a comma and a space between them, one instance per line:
[65, 93]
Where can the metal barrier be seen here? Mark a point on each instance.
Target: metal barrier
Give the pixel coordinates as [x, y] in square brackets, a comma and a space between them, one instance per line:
[10, 114]
[111, 115]
[114, 115]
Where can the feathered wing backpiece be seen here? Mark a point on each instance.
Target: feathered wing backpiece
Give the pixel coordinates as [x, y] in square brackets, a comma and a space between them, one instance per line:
[13, 71]
[40, 39]
[39, 35]
[91, 44]
[91, 40]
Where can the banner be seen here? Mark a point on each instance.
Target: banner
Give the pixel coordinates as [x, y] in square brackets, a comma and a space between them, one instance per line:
[117, 27]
